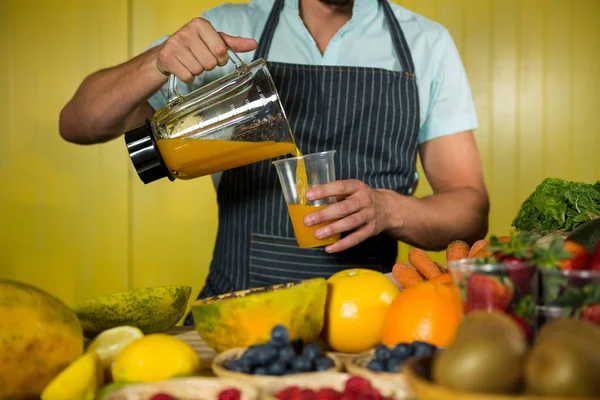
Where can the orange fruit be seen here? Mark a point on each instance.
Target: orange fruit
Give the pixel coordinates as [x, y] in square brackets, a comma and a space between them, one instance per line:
[429, 312]
[357, 301]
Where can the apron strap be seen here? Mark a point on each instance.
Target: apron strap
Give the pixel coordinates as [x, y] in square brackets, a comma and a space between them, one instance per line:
[264, 44]
[398, 38]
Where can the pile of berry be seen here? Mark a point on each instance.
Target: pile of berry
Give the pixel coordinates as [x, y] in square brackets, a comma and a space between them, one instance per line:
[227, 394]
[355, 388]
[390, 360]
[280, 356]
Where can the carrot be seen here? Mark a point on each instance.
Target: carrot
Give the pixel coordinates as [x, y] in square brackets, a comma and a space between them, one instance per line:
[445, 279]
[457, 250]
[478, 246]
[423, 263]
[441, 267]
[483, 253]
[503, 239]
[406, 275]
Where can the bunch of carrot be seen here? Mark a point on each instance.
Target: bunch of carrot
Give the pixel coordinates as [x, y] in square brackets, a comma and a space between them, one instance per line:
[422, 268]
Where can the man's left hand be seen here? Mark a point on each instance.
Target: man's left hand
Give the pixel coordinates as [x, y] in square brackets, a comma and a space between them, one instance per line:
[359, 208]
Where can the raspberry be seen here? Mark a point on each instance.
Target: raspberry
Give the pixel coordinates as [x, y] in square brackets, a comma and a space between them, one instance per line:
[327, 394]
[290, 393]
[356, 384]
[308, 394]
[230, 394]
[162, 396]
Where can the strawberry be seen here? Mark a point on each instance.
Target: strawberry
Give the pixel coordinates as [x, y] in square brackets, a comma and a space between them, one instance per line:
[487, 293]
[591, 313]
[525, 327]
[595, 258]
[578, 257]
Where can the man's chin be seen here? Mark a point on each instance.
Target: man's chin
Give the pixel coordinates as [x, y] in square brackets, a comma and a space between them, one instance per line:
[338, 2]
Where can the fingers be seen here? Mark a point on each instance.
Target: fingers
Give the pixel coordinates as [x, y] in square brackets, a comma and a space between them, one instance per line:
[198, 47]
[349, 223]
[334, 189]
[355, 238]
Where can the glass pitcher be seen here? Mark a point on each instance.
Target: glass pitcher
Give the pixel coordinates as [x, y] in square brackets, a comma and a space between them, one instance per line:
[234, 121]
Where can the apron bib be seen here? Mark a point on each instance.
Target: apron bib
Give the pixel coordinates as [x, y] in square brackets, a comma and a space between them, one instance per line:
[370, 116]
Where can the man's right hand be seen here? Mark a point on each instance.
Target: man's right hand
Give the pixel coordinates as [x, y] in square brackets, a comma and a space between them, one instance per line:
[198, 47]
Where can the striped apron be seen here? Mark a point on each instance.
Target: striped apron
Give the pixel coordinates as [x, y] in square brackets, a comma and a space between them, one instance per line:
[370, 116]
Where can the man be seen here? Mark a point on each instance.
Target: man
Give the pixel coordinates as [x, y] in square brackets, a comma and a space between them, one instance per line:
[367, 78]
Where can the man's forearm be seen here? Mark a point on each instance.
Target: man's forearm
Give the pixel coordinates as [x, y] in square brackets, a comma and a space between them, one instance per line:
[432, 222]
[106, 100]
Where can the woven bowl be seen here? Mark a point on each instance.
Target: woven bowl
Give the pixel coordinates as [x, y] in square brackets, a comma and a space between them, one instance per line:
[418, 375]
[396, 389]
[184, 388]
[261, 380]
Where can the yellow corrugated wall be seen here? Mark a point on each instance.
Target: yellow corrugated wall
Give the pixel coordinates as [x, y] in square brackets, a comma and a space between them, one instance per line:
[77, 221]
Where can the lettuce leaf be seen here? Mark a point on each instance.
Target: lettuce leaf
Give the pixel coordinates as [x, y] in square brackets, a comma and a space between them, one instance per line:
[558, 205]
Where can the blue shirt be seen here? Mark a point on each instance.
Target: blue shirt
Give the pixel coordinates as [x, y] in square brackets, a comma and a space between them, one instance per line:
[446, 103]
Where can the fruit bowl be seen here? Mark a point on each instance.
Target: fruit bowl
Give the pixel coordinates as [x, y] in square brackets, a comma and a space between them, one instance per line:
[183, 388]
[395, 389]
[568, 293]
[220, 370]
[418, 375]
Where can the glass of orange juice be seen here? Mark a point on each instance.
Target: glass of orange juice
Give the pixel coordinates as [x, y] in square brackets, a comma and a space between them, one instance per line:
[298, 175]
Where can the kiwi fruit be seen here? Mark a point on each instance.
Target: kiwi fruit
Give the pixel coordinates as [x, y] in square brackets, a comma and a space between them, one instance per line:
[486, 356]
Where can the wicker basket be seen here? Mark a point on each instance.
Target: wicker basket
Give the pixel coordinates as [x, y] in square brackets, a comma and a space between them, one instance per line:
[260, 381]
[184, 388]
[418, 375]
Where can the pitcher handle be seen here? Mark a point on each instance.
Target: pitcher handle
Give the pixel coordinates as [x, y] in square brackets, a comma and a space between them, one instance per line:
[173, 92]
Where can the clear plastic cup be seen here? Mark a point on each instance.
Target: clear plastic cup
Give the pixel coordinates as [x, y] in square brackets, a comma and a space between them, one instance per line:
[297, 176]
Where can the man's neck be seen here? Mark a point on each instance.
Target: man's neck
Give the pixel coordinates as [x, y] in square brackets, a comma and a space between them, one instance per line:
[324, 20]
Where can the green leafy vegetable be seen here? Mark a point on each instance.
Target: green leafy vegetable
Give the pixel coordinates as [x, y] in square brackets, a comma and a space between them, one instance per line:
[525, 308]
[558, 205]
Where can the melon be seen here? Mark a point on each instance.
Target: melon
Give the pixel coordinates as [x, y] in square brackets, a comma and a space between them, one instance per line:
[246, 317]
[152, 310]
[39, 337]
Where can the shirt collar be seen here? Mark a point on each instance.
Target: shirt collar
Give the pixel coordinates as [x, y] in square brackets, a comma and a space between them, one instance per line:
[361, 7]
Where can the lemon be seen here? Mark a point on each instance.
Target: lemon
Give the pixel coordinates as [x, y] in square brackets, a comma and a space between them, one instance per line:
[109, 344]
[155, 357]
[81, 380]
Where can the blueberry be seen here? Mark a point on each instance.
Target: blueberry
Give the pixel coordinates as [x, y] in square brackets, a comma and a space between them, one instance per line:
[298, 345]
[251, 355]
[422, 348]
[382, 353]
[277, 368]
[402, 351]
[287, 354]
[393, 365]
[301, 364]
[245, 366]
[266, 354]
[323, 363]
[375, 366]
[279, 336]
[232, 365]
[312, 352]
[260, 371]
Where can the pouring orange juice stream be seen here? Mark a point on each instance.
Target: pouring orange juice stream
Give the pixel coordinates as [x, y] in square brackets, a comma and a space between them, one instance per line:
[188, 159]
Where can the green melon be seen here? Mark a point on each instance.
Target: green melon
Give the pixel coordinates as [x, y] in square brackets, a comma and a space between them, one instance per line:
[245, 318]
[39, 337]
[152, 310]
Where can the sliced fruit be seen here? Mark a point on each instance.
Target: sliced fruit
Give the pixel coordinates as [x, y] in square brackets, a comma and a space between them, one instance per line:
[245, 318]
[429, 312]
[357, 302]
[155, 357]
[155, 309]
[109, 344]
[79, 381]
[39, 337]
[579, 257]
[487, 293]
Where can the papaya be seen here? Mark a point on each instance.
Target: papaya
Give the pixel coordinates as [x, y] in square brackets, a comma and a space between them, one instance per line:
[39, 337]
[587, 234]
[245, 318]
[152, 310]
